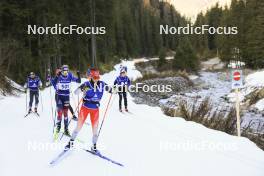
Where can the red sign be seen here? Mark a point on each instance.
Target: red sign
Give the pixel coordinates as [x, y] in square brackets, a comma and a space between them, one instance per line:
[236, 76]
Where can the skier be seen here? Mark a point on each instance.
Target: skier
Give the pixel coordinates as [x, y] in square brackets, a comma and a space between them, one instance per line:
[93, 90]
[58, 71]
[61, 83]
[33, 83]
[122, 82]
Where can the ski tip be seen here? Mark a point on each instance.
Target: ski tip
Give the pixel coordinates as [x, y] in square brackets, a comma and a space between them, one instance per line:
[52, 163]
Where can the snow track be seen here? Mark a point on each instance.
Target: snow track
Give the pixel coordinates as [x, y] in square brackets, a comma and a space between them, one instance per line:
[146, 142]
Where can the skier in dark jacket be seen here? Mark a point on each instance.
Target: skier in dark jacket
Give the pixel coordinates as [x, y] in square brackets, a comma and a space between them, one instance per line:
[61, 83]
[122, 82]
[74, 117]
[33, 83]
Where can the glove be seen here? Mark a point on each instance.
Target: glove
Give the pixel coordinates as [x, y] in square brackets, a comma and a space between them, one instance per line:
[58, 72]
[78, 73]
[79, 76]
[85, 89]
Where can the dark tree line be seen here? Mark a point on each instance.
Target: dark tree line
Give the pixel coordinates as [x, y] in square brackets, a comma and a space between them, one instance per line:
[132, 30]
[247, 45]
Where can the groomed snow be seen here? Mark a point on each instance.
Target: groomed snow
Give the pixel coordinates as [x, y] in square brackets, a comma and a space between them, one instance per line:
[255, 79]
[260, 105]
[146, 141]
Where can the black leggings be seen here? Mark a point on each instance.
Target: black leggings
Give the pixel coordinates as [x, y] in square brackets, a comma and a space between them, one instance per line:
[70, 107]
[33, 94]
[124, 95]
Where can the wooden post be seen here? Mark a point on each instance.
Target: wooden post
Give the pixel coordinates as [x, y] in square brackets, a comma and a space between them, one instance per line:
[238, 112]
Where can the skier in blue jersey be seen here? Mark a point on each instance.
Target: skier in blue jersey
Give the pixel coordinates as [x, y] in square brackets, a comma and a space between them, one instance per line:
[74, 117]
[122, 82]
[61, 83]
[33, 83]
[93, 90]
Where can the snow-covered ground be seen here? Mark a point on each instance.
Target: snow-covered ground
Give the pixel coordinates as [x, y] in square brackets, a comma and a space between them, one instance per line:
[145, 141]
[256, 81]
[213, 64]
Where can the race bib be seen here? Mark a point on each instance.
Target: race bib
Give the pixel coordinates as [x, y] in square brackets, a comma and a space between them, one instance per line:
[64, 86]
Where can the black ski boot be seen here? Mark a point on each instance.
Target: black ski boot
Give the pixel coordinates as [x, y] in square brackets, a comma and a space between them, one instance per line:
[58, 124]
[126, 109]
[36, 111]
[56, 133]
[29, 111]
[69, 145]
[74, 118]
[94, 149]
[66, 132]
[120, 110]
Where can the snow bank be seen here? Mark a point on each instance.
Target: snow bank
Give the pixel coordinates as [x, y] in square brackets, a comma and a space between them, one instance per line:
[255, 79]
[260, 105]
[253, 82]
[212, 64]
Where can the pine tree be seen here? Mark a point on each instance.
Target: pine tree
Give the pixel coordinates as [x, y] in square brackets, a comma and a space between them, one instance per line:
[185, 57]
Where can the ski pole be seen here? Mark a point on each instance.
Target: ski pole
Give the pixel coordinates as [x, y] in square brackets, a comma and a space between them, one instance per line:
[74, 101]
[26, 102]
[78, 106]
[41, 100]
[104, 116]
[52, 115]
[112, 101]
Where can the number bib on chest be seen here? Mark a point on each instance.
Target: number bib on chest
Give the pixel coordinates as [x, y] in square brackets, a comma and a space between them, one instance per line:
[63, 86]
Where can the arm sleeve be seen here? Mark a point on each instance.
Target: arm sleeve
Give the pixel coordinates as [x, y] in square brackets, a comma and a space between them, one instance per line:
[79, 89]
[54, 81]
[75, 79]
[40, 83]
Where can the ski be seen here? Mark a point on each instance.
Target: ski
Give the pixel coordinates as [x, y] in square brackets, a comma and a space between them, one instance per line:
[59, 157]
[37, 114]
[27, 114]
[103, 157]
